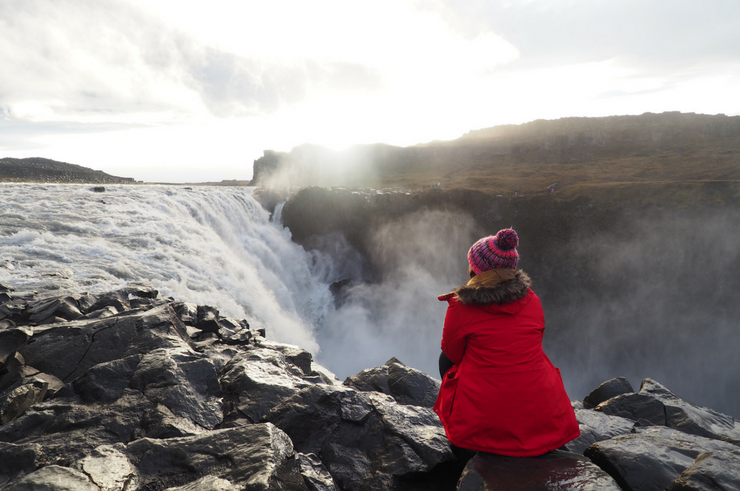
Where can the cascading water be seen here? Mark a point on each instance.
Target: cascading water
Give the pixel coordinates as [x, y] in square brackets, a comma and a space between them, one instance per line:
[205, 245]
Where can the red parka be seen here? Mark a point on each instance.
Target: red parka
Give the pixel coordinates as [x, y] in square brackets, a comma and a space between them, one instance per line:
[503, 395]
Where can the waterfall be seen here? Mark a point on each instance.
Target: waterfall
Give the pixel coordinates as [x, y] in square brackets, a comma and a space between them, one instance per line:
[206, 245]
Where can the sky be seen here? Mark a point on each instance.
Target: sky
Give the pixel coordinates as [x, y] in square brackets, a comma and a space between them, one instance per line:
[193, 91]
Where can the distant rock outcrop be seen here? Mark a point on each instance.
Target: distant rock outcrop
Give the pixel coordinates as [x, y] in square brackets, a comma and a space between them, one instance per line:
[527, 158]
[127, 390]
[51, 171]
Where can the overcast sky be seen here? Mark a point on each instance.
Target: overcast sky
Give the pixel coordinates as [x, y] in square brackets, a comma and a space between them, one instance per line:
[188, 91]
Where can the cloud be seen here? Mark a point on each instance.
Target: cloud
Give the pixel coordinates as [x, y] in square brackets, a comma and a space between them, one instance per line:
[112, 61]
[655, 36]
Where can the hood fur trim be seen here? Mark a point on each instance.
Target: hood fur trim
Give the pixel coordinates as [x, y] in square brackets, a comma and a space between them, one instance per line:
[502, 293]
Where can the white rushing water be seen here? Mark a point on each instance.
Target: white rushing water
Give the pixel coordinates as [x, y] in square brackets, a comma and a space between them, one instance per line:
[206, 245]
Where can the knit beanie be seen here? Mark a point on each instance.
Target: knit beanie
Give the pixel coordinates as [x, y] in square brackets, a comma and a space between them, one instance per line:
[495, 251]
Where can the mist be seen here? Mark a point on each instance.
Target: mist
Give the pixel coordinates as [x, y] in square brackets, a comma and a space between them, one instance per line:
[657, 301]
[654, 296]
[398, 314]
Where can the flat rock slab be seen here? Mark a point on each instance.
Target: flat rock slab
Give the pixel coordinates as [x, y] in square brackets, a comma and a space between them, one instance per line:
[712, 471]
[652, 458]
[557, 470]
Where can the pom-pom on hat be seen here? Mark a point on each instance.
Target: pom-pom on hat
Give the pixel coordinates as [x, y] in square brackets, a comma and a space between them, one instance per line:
[495, 251]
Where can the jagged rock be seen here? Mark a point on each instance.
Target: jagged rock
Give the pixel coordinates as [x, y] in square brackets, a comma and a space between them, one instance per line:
[607, 390]
[54, 478]
[183, 381]
[109, 468]
[406, 385]
[15, 401]
[256, 457]
[68, 431]
[118, 300]
[652, 458]
[259, 379]
[641, 408]
[207, 483]
[18, 460]
[207, 319]
[314, 473]
[141, 290]
[555, 470]
[690, 418]
[364, 439]
[161, 422]
[42, 311]
[107, 381]
[107, 311]
[596, 427]
[10, 340]
[70, 350]
[187, 312]
[712, 471]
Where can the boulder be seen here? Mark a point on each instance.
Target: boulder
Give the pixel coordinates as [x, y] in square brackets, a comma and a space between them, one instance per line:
[183, 381]
[365, 439]
[406, 385]
[559, 470]
[18, 460]
[54, 478]
[652, 458]
[595, 427]
[259, 379]
[259, 457]
[67, 430]
[109, 468]
[314, 473]
[711, 471]
[41, 311]
[607, 390]
[643, 409]
[690, 418]
[10, 340]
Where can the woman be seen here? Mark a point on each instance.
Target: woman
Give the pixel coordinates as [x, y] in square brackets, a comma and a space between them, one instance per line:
[501, 394]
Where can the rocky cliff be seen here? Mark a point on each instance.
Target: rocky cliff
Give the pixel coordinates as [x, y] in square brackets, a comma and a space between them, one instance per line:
[130, 391]
[46, 170]
[656, 154]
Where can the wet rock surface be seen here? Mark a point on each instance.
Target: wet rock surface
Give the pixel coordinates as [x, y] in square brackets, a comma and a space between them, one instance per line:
[554, 470]
[126, 390]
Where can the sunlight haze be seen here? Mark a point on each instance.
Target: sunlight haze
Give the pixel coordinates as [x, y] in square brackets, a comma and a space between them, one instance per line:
[185, 91]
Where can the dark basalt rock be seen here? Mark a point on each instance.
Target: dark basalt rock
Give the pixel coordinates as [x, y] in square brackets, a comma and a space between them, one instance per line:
[253, 457]
[596, 427]
[607, 390]
[126, 390]
[364, 439]
[54, 477]
[555, 470]
[712, 471]
[690, 418]
[652, 458]
[406, 385]
[641, 408]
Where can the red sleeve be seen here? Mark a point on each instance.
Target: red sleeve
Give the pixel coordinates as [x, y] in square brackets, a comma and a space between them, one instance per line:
[454, 335]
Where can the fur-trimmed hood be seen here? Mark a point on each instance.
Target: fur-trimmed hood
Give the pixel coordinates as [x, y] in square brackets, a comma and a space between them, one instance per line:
[500, 294]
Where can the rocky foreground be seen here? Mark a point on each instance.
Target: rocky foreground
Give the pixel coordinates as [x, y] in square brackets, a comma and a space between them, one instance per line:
[131, 391]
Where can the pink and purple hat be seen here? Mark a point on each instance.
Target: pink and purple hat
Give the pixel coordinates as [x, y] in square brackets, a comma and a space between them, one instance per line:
[495, 251]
